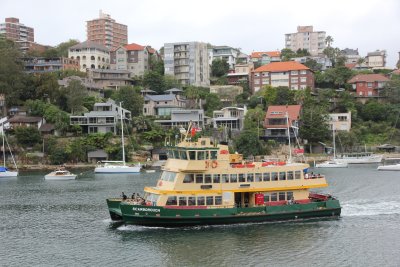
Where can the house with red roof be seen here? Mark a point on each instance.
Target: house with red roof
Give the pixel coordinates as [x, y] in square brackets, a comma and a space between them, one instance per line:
[368, 85]
[277, 121]
[133, 57]
[292, 74]
[262, 58]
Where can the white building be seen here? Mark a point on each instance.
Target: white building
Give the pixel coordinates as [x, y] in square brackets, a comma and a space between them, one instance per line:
[187, 62]
[226, 53]
[229, 117]
[376, 59]
[91, 55]
[306, 38]
[341, 121]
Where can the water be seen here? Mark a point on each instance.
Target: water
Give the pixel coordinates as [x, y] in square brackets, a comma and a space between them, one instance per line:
[66, 223]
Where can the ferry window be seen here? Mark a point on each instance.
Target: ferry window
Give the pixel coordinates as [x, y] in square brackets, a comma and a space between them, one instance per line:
[200, 201]
[242, 179]
[171, 200]
[258, 177]
[210, 200]
[189, 178]
[207, 154]
[274, 176]
[250, 177]
[163, 176]
[218, 200]
[172, 176]
[289, 195]
[297, 174]
[199, 178]
[192, 155]
[266, 197]
[207, 178]
[267, 177]
[192, 201]
[201, 155]
[225, 178]
[282, 175]
[170, 154]
[182, 201]
[290, 175]
[216, 179]
[282, 196]
[176, 154]
[274, 196]
[183, 154]
[213, 154]
[233, 178]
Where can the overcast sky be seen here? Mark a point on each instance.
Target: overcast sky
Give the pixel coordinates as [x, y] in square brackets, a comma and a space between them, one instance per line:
[257, 25]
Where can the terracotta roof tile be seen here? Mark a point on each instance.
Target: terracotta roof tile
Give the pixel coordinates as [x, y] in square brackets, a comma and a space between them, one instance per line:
[281, 66]
[280, 112]
[368, 78]
[271, 54]
[134, 47]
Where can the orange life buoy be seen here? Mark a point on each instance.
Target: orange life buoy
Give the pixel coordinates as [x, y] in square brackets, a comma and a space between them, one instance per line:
[214, 164]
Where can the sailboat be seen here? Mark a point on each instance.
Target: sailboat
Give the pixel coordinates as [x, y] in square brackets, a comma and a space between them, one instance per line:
[4, 172]
[334, 163]
[118, 166]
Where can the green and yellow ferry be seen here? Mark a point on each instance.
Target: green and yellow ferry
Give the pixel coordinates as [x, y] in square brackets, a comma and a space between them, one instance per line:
[203, 184]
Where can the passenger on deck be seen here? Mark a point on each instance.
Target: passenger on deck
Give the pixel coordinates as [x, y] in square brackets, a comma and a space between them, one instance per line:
[133, 196]
[124, 197]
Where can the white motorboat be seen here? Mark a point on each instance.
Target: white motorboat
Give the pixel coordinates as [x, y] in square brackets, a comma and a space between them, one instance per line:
[334, 163]
[60, 175]
[4, 171]
[331, 164]
[118, 166]
[393, 167]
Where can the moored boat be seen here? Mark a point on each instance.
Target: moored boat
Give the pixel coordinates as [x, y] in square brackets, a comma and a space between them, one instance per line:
[331, 164]
[202, 183]
[359, 158]
[392, 167]
[60, 174]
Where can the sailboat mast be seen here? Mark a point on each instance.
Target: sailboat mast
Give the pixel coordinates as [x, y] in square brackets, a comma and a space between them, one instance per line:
[122, 135]
[288, 131]
[334, 143]
[4, 151]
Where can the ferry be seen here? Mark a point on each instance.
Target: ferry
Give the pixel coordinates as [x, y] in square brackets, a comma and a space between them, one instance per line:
[203, 184]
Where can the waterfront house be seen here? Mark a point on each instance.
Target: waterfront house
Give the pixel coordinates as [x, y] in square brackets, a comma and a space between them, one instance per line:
[340, 121]
[103, 119]
[183, 117]
[26, 121]
[276, 123]
[163, 105]
[262, 58]
[230, 118]
[109, 79]
[368, 86]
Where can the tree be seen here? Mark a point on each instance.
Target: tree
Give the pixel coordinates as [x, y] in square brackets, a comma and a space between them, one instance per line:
[284, 96]
[328, 40]
[392, 90]
[254, 120]
[11, 72]
[247, 143]
[335, 55]
[302, 53]
[287, 54]
[313, 64]
[156, 65]
[314, 127]
[212, 103]
[154, 81]
[27, 136]
[171, 82]
[131, 99]
[219, 67]
[76, 94]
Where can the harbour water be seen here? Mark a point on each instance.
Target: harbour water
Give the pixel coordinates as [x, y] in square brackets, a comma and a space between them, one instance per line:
[66, 223]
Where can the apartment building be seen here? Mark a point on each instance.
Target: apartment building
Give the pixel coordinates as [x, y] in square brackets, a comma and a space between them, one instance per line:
[106, 31]
[134, 58]
[224, 52]
[230, 118]
[306, 38]
[292, 74]
[162, 105]
[109, 79]
[187, 62]
[23, 35]
[183, 118]
[376, 59]
[368, 85]
[91, 55]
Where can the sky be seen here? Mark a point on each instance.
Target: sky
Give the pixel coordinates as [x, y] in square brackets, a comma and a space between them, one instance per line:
[254, 25]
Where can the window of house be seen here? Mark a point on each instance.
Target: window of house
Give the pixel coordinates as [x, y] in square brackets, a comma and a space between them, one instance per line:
[369, 85]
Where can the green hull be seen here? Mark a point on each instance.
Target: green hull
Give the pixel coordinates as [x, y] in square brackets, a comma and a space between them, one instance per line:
[160, 216]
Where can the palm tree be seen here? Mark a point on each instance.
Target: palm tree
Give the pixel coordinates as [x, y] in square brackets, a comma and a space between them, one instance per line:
[329, 40]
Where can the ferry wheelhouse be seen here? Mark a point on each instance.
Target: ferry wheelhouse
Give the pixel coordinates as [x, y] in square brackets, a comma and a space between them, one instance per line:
[202, 183]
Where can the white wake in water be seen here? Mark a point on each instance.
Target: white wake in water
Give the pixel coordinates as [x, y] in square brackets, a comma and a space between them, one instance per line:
[366, 208]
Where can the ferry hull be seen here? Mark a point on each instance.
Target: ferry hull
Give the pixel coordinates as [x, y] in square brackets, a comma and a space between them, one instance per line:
[165, 217]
